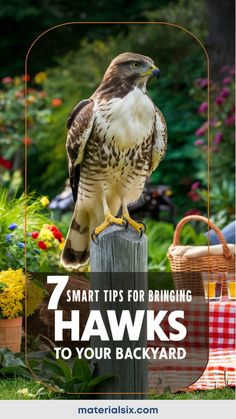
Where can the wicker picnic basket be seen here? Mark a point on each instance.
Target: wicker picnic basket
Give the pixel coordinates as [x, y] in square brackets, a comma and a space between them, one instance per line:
[187, 271]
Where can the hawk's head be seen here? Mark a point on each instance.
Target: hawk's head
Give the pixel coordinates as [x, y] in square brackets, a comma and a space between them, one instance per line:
[133, 67]
[126, 71]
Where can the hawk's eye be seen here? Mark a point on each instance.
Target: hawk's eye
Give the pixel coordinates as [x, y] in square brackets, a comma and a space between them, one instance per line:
[135, 64]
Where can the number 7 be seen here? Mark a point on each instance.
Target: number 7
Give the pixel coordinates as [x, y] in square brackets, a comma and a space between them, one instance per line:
[61, 282]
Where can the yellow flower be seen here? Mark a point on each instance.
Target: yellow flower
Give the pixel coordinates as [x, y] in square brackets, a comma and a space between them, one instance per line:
[12, 296]
[17, 81]
[62, 243]
[44, 201]
[40, 77]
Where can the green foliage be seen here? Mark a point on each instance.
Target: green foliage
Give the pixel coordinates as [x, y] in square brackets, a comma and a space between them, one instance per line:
[12, 365]
[31, 20]
[68, 377]
[12, 139]
[160, 237]
[222, 202]
[35, 295]
[183, 13]
[65, 377]
[21, 388]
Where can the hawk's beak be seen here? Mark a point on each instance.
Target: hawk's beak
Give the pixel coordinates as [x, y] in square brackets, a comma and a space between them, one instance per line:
[156, 73]
[152, 71]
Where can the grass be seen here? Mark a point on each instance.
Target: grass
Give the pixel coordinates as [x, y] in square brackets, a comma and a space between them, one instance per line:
[227, 393]
[9, 391]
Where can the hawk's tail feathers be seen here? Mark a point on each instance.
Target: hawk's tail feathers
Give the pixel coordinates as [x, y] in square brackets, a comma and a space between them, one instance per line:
[76, 249]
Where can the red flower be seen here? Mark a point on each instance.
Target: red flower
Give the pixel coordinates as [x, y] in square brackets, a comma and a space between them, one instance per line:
[7, 80]
[192, 211]
[42, 245]
[25, 77]
[56, 102]
[52, 228]
[35, 235]
[57, 234]
[27, 141]
[7, 164]
[193, 196]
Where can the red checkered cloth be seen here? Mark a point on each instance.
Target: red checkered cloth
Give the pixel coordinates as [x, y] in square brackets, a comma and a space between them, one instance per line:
[222, 325]
[220, 371]
[221, 367]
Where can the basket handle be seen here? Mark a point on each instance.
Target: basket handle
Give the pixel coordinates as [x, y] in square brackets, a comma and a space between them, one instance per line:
[226, 251]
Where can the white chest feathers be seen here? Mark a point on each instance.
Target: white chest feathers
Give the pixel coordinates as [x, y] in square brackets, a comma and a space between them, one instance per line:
[127, 120]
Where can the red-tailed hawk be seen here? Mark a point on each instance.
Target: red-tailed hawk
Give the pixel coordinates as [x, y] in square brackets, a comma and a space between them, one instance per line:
[115, 140]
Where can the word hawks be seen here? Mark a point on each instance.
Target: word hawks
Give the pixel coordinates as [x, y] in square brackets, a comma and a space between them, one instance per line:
[111, 327]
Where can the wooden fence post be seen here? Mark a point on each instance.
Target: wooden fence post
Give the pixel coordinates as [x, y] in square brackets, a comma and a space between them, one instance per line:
[119, 262]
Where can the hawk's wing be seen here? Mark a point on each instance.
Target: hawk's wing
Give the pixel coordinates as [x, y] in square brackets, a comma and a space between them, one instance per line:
[80, 124]
[159, 140]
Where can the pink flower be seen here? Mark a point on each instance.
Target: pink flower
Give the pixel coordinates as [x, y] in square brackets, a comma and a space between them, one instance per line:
[7, 80]
[195, 185]
[232, 71]
[218, 138]
[202, 82]
[227, 80]
[230, 120]
[219, 100]
[224, 92]
[198, 142]
[203, 107]
[199, 132]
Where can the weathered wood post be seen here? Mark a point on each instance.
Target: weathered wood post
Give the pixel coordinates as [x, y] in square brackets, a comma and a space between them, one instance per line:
[119, 263]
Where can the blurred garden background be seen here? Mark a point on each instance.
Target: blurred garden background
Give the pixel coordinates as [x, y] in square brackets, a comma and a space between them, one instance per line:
[65, 66]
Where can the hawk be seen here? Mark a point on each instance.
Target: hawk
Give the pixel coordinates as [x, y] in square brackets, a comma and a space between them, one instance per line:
[116, 139]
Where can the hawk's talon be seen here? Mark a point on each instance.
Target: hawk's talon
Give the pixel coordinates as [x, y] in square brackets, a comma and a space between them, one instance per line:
[94, 237]
[109, 220]
[126, 222]
[144, 226]
[136, 225]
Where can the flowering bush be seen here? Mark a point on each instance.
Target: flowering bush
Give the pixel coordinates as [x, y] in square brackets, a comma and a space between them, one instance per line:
[12, 138]
[50, 242]
[43, 243]
[222, 121]
[12, 293]
[13, 286]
